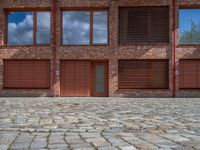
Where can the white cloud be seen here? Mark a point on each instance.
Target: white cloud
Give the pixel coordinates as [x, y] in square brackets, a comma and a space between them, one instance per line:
[22, 32]
[76, 27]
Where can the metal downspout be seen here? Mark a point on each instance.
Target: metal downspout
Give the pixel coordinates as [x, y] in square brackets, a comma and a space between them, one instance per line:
[174, 47]
[54, 47]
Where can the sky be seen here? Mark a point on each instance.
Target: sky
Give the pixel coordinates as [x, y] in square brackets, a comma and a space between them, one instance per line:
[76, 26]
[186, 16]
[20, 28]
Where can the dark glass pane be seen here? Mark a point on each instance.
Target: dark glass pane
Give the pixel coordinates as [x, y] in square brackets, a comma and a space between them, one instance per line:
[20, 28]
[43, 27]
[189, 26]
[76, 28]
[99, 79]
[100, 27]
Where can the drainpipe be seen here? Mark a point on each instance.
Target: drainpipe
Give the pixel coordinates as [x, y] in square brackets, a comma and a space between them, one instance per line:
[174, 47]
[54, 48]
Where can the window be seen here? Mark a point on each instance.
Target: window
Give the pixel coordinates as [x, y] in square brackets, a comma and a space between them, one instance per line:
[189, 26]
[27, 74]
[143, 74]
[100, 31]
[143, 24]
[28, 28]
[189, 74]
[84, 27]
[43, 28]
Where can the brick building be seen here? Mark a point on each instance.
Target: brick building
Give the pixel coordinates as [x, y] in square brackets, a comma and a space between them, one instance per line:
[128, 48]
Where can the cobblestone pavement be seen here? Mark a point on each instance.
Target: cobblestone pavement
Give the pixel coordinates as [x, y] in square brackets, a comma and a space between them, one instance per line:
[99, 124]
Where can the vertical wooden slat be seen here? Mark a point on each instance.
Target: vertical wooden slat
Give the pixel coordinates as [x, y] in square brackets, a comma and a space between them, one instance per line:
[75, 78]
[136, 74]
[189, 74]
[27, 74]
[12, 73]
[41, 74]
[143, 24]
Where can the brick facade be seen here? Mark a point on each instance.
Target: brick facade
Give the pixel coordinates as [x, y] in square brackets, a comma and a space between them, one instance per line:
[113, 52]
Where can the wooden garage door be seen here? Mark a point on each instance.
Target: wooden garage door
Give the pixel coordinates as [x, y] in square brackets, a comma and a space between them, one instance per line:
[75, 78]
[189, 74]
[26, 73]
[145, 74]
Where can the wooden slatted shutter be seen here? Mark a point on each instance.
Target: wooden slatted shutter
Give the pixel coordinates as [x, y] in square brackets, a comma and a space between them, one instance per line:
[41, 74]
[143, 24]
[159, 24]
[75, 76]
[12, 73]
[27, 74]
[140, 74]
[189, 74]
[82, 76]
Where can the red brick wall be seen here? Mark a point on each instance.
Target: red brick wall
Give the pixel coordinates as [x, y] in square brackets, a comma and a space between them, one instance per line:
[113, 52]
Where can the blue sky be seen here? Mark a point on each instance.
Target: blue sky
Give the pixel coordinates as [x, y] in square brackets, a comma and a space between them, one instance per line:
[21, 24]
[20, 27]
[76, 27]
[186, 16]
[18, 17]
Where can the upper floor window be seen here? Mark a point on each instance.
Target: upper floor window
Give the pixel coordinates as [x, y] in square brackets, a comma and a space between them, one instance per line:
[84, 27]
[189, 26]
[28, 28]
[143, 25]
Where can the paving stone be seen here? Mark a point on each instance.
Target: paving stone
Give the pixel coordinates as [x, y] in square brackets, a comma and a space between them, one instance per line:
[98, 142]
[55, 146]
[20, 146]
[100, 123]
[84, 149]
[80, 145]
[108, 148]
[128, 148]
[3, 147]
[7, 138]
[118, 142]
[38, 145]
[176, 138]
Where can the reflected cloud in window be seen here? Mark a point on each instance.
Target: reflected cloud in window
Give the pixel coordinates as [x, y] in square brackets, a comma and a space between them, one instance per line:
[43, 27]
[100, 27]
[20, 28]
[76, 28]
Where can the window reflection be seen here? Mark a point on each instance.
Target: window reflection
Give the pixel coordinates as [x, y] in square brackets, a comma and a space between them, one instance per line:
[189, 26]
[100, 31]
[76, 27]
[20, 28]
[43, 27]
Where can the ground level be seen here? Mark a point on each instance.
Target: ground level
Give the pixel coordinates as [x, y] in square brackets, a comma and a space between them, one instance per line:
[99, 123]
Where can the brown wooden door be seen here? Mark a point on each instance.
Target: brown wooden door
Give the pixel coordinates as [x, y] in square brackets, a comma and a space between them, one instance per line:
[100, 79]
[75, 78]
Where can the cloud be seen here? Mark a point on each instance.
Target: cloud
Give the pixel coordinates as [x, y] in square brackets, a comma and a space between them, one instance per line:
[43, 21]
[100, 31]
[43, 27]
[76, 27]
[22, 32]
